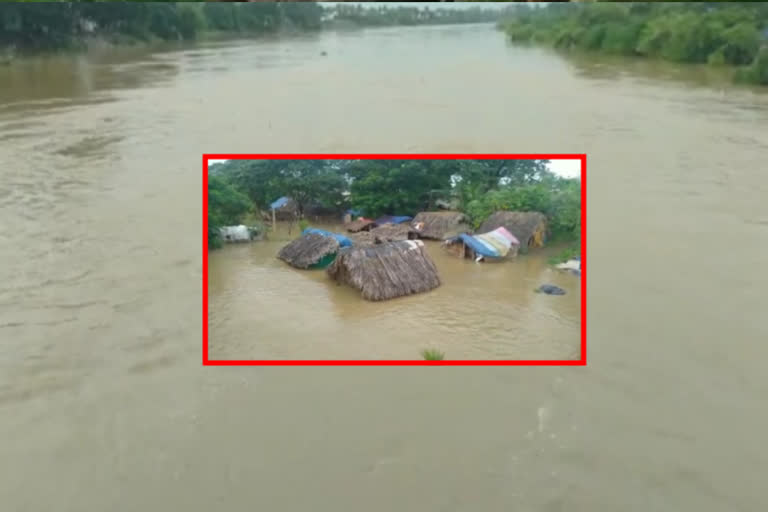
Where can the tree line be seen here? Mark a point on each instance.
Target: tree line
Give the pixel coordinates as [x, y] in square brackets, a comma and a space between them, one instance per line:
[718, 33]
[383, 15]
[52, 25]
[239, 188]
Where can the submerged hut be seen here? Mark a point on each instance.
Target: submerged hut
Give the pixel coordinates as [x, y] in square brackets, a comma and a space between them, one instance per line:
[312, 250]
[496, 245]
[392, 232]
[530, 228]
[360, 224]
[284, 208]
[392, 219]
[382, 234]
[386, 271]
[440, 225]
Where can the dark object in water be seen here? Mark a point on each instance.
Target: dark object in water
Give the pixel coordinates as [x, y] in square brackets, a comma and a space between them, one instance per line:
[550, 289]
[323, 53]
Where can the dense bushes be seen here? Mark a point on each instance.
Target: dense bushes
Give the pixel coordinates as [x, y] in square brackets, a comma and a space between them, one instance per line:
[226, 206]
[559, 199]
[723, 34]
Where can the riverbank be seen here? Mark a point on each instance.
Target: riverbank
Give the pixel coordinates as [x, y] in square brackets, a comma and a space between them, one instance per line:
[726, 35]
[35, 27]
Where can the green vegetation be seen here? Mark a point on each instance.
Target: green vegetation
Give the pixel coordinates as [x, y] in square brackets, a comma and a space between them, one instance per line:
[226, 206]
[729, 33]
[406, 187]
[432, 354]
[33, 25]
[564, 255]
[54, 25]
[383, 15]
[308, 182]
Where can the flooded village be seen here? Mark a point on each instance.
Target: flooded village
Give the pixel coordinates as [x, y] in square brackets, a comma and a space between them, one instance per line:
[105, 404]
[451, 265]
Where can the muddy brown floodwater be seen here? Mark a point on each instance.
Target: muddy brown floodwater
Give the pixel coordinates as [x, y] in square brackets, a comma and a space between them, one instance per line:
[104, 404]
[261, 308]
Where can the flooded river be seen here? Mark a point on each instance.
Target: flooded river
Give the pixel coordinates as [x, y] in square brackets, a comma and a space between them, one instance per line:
[481, 311]
[104, 404]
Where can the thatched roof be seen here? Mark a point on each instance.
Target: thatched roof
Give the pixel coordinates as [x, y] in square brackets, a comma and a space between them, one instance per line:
[359, 225]
[528, 227]
[362, 239]
[381, 234]
[308, 250]
[391, 232]
[440, 225]
[387, 270]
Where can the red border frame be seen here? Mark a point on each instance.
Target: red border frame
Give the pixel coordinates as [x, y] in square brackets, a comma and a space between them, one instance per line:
[578, 362]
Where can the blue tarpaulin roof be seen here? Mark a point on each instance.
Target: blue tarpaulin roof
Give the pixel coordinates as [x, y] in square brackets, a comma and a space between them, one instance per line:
[390, 219]
[343, 241]
[280, 203]
[494, 244]
[355, 212]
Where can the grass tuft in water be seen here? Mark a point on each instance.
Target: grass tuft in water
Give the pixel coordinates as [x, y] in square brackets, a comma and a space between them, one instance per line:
[432, 354]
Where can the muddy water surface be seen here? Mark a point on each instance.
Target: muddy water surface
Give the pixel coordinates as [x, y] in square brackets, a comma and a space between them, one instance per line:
[261, 308]
[104, 404]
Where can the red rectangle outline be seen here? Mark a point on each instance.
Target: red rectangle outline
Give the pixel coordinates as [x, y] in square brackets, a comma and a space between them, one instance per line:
[578, 362]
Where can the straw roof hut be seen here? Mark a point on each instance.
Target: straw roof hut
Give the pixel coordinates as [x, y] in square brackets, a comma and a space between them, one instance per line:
[528, 227]
[392, 232]
[310, 251]
[440, 225]
[382, 234]
[360, 225]
[386, 271]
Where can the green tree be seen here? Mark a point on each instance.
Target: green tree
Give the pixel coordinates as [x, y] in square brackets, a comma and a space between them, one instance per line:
[397, 186]
[729, 33]
[308, 182]
[226, 206]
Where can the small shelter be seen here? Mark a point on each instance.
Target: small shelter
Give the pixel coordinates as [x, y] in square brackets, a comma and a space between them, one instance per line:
[392, 219]
[284, 208]
[239, 233]
[392, 232]
[496, 245]
[386, 271]
[311, 251]
[530, 228]
[343, 240]
[440, 225]
[361, 224]
[382, 234]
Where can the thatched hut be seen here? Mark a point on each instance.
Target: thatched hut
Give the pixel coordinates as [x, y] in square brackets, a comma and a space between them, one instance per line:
[360, 225]
[528, 227]
[495, 245]
[284, 208]
[382, 235]
[310, 251]
[439, 225]
[392, 232]
[386, 271]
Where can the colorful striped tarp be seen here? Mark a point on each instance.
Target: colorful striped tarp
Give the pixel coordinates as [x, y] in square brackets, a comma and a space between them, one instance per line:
[494, 244]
